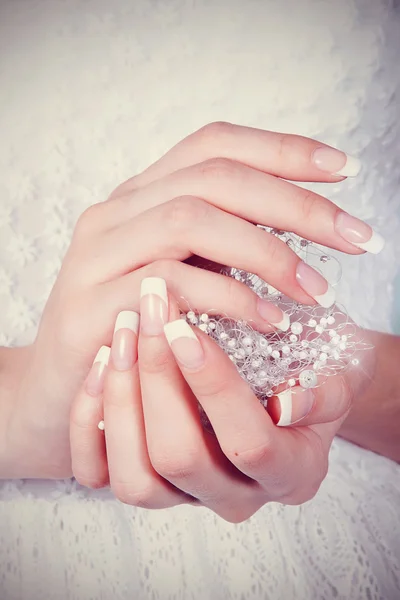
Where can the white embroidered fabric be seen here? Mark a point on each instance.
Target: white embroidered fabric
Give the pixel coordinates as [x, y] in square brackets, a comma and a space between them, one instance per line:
[94, 91]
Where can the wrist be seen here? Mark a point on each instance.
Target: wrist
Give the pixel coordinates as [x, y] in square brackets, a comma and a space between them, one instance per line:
[374, 419]
[13, 364]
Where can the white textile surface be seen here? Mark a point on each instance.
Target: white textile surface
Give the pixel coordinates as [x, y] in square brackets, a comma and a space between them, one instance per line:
[92, 91]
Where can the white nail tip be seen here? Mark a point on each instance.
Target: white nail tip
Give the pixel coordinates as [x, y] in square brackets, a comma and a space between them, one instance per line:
[178, 329]
[284, 324]
[103, 355]
[351, 168]
[374, 245]
[326, 300]
[154, 285]
[285, 399]
[127, 319]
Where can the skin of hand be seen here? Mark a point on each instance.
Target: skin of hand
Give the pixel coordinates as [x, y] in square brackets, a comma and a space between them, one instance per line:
[156, 452]
[221, 180]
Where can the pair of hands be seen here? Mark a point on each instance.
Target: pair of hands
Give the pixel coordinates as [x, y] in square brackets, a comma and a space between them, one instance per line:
[201, 199]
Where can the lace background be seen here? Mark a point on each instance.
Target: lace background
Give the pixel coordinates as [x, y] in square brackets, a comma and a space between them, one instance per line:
[94, 91]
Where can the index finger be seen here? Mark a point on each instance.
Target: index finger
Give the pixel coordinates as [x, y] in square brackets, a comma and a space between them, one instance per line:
[289, 156]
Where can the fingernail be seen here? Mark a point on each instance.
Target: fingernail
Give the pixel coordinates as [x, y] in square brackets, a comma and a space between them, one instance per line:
[153, 305]
[124, 344]
[95, 380]
[315, 285]
[358, 233]
[273, 314]
[184, 344]
[336, 162]
[295, 404]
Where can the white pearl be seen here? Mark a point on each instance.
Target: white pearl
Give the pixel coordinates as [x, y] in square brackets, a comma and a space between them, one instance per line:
[305, 343]
[247, 341]
[325, 348]
[293, 338]
[332, 333]
[275, 354]
[256, 363]
[323, 321]
[319, 329]
[316, 365]
[308, 379]
[296, 328]
[291, 382]
[223, 335]
[262, 374]
[204, 318]
[323, 356]
[303, 355]
[331, 320]
[232, 343]
[313, 352]
[285, 349]
[191, 314]
[101, 426]
[269, 349]
[342, 346]
[335, 340]
[203, 327]
[355, 362]
[344, 338]
[312, 323]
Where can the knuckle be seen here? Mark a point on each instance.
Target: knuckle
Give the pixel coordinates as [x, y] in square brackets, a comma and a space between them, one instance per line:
[142, 494]
[183, 212]
[165, 267]
[154, 358]
[252, 459]
[217, 169]
[177, 465]
[87, 221]
[212, 132]
[309, 204]
[239, 295]
[94, 483]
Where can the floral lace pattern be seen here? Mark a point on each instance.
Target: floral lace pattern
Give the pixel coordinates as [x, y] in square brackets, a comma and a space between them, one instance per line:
[94, 91]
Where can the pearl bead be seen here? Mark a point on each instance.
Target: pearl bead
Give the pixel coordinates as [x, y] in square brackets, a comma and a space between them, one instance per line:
[331, 320]
[191, 314]
[293, 338]
[303, 355]
[232, 343]
[223, 335]
[308, 379]
[332, 333]
[291, 382]
[101, 426]
[305, 344]
[323, 321]
[247, 341]
[275, 354]
[323, 357]
[319, 329]
[313, 352]
[285, 349]
[256, 363]
[325, 348]
[204, 327]
[296, 328]
[355, 362]
[312, 323]
[344, 338]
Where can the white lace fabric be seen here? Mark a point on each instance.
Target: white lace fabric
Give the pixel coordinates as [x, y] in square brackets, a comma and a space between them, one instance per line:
[92, 92]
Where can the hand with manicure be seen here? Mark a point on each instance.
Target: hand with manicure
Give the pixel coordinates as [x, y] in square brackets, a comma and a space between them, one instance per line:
[201, 199]
[156, 453]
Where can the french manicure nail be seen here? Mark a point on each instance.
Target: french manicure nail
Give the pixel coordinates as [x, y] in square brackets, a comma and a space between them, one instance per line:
[315, 285]
[358, 233]
[273, 314]
[336, 162]
[184, 344]
[295, 404]
[124, 344]
[95, 380]
[153, 305]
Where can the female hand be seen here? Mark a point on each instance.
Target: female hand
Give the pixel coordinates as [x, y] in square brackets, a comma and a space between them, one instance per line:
[202, 198]
[156, 453]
